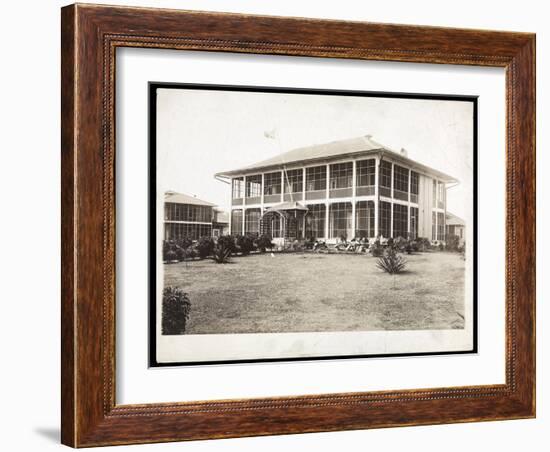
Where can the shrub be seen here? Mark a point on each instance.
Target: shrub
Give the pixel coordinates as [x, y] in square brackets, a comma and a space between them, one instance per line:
[400, 243]
[423, 243]
[221, 253]
[391, 262]
[175, 310]
[376, 248]
[245, 243]
[205, 247]
[263, 242]
[191, 253]
[180, 254]
[170, 256]
[227, 241]
[183, 242]
[453, 242]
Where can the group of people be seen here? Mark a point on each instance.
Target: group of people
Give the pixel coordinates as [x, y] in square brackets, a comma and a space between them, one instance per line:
[357, 245]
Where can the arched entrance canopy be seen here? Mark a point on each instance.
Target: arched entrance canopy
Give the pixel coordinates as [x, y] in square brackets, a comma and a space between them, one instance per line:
[285, 220]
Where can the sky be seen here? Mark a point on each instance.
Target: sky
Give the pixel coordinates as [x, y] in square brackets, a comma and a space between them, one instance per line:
[203, 132]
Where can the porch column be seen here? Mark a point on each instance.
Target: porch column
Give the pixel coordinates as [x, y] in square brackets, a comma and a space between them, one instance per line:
[244, 203]
[327, 203]
[327, 235]
[231, 209]
[262, 193]
[391, 192]
[353, 194]
[303, 184]
[409, 207]
[435, 233]
[283, 184]
[376, 196]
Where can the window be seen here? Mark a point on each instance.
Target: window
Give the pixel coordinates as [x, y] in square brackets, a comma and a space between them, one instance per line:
[187, 212]
[341, 175]
[434, 219]
[174, 231]
[316, 178]
[365, 172]
[340, 220]
[385, 219]
[236, 222]
[168, 211]
[414, 187]
[400, 179]
[440, 226]
[293, 181]
[238, 188]
[315, 221]
[272, 183]
[400, 220]
[364, 219]
[385, 174]
[254, 186]
[385, 179]
[414, 223]
[434, 193]
[252, 221]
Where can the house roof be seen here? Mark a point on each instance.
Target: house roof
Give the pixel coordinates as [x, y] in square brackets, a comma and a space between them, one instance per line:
[181, 198]
[352, 147]
[452, 219]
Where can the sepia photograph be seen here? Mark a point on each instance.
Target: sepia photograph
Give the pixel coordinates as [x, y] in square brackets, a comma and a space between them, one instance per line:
[291, 224]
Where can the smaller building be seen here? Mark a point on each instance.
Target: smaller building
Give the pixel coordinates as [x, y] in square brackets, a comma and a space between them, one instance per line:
[455, 226]
[187, 217]
[220, 223]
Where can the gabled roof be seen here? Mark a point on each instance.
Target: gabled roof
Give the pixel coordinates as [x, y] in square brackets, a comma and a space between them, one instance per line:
[352, 147]
[452, 219]
[180, 198]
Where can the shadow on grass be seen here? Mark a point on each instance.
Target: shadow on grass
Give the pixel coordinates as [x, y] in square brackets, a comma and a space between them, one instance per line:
[402, 272]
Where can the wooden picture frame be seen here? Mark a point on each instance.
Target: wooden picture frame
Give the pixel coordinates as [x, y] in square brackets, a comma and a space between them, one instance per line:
[90, 36]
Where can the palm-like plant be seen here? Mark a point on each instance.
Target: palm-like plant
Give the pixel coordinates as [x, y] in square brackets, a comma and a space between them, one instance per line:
[221, 253]
[391, 262]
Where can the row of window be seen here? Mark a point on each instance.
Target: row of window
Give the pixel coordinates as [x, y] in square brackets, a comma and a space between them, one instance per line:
[438, 194]
[341, 176]
[173, 231]
[187, 212]
[340, 220]
[438, 226]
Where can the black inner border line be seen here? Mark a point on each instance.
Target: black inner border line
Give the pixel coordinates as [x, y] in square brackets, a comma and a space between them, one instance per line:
[152, 196]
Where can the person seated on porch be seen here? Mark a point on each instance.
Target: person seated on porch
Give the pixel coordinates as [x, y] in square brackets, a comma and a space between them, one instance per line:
[352, 245]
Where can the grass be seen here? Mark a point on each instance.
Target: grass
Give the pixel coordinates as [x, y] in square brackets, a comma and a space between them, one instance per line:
[299, 292]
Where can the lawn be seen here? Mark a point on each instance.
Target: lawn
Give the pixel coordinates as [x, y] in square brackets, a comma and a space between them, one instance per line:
[305, 292]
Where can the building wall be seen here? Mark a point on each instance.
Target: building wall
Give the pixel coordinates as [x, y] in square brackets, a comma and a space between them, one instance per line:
[333, 196]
